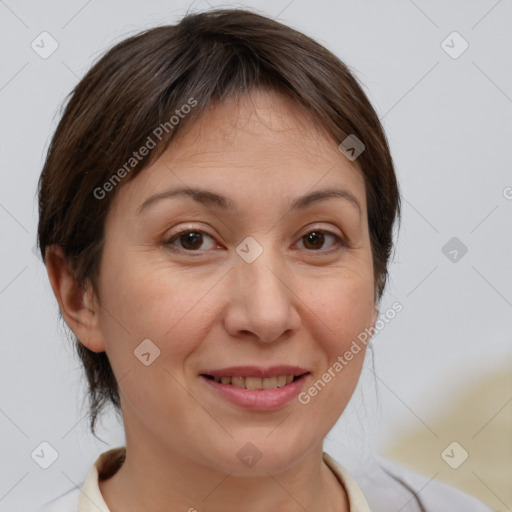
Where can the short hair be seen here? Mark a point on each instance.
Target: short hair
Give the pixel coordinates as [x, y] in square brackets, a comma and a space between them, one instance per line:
[137, 87]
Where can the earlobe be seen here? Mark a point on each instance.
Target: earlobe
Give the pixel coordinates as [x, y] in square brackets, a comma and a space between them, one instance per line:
[77, 306]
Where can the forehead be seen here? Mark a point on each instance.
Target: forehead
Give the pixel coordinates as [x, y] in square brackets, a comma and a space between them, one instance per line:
[243, 126]
[259, 143]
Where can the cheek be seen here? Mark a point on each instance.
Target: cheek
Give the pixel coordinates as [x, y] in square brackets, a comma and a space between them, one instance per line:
[342, 312]
[341, 319]
[343, 308]
[155, 299]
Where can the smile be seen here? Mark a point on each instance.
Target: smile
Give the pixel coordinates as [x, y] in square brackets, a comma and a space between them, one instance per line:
[255, 382]
[255, 388]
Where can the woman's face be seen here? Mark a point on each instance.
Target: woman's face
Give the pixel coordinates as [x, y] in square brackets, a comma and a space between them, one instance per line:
[259, 279]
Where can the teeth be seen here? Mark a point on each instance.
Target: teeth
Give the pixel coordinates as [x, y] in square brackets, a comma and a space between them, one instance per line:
[281, 381]
[269, 383]
[256, 382]
[239, 382]
[253, 383]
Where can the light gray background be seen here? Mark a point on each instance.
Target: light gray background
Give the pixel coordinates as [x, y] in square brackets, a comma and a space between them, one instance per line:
[449, 124]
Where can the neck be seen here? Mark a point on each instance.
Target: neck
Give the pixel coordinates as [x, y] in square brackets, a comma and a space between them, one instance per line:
[154, 481]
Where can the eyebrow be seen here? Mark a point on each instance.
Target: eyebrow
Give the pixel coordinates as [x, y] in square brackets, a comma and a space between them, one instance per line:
[214, 200]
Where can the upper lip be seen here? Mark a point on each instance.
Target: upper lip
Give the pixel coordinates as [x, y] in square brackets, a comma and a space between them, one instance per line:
[256, 371]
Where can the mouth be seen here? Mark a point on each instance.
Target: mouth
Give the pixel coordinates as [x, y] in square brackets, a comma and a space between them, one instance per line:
[255, 382]
[255, 388]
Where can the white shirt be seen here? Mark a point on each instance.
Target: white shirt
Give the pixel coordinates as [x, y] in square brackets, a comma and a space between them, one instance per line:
[383, 492]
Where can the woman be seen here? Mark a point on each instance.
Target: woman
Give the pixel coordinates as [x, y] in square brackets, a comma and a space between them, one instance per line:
[216, 215]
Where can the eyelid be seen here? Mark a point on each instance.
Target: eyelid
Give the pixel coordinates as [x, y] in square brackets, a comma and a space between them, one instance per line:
[316, 227]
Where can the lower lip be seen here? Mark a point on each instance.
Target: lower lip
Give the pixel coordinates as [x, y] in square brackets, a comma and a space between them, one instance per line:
[258, 399]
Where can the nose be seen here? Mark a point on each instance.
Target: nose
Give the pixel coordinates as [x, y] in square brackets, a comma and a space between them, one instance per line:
[262, 303]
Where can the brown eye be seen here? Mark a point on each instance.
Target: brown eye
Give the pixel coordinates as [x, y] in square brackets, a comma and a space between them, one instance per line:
[189, 240]
[314, 240]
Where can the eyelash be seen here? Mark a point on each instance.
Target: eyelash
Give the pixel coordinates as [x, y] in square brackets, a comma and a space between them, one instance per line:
[339, 242]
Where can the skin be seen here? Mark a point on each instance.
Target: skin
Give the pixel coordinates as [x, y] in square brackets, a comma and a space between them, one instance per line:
[301, 302]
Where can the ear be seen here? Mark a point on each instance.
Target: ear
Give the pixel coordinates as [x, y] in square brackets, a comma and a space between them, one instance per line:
[78, 307]
[375, 316]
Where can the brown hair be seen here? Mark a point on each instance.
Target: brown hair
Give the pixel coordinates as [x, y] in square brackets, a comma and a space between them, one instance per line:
[131, 95]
